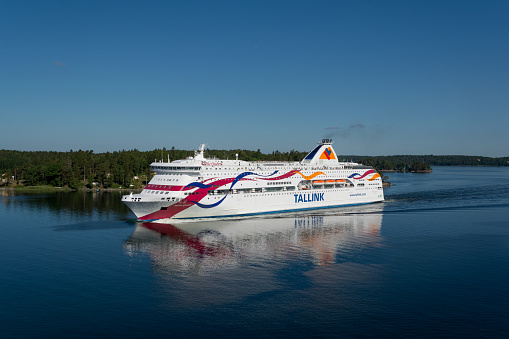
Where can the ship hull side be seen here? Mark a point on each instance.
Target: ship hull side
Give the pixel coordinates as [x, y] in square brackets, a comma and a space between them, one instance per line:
[248, 204]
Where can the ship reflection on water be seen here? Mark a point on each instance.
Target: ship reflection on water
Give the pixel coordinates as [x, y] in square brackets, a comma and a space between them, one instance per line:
[201, 248]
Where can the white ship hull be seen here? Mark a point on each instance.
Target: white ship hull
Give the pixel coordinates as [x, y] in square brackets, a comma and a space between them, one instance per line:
[255, 204]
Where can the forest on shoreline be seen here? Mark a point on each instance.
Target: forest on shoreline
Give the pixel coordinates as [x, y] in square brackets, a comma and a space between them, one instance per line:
[131, 168]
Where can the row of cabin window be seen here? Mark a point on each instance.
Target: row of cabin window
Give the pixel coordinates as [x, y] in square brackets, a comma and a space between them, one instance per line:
[177, 168]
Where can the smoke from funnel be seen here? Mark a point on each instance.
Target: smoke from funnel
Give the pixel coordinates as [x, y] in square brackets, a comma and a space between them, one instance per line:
[342, 133]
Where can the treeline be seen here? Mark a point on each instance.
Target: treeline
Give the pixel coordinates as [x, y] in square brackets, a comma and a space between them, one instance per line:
[77, 169]
[403, 163]
[131, 168]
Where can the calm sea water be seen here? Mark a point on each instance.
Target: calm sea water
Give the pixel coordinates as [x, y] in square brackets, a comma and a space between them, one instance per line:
[431, 261]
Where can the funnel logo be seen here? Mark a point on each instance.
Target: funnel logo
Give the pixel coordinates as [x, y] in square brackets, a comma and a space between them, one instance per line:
[328, 154]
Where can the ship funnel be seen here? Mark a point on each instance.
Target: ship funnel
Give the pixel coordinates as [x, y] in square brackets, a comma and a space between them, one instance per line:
[323, 154]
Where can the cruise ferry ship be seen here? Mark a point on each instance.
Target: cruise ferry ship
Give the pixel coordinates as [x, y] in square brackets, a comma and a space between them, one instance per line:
[198, 187]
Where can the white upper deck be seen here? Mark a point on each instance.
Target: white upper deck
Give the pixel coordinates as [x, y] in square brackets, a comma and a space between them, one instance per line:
[322, 155]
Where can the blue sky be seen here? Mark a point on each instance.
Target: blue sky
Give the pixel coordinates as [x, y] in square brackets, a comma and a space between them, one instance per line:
[379, 77]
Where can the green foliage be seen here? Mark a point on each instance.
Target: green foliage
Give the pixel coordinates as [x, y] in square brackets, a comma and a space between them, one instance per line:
[75, 183]
[419, 166]
[54, 174]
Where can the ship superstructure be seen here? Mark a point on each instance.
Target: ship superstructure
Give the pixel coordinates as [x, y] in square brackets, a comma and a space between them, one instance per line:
[205, 188]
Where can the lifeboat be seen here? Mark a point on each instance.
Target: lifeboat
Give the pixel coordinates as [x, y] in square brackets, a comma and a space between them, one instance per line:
[341, 180]
[330, 181]
[317, 182]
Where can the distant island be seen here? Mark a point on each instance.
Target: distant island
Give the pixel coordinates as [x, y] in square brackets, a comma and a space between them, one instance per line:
[131, 168]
